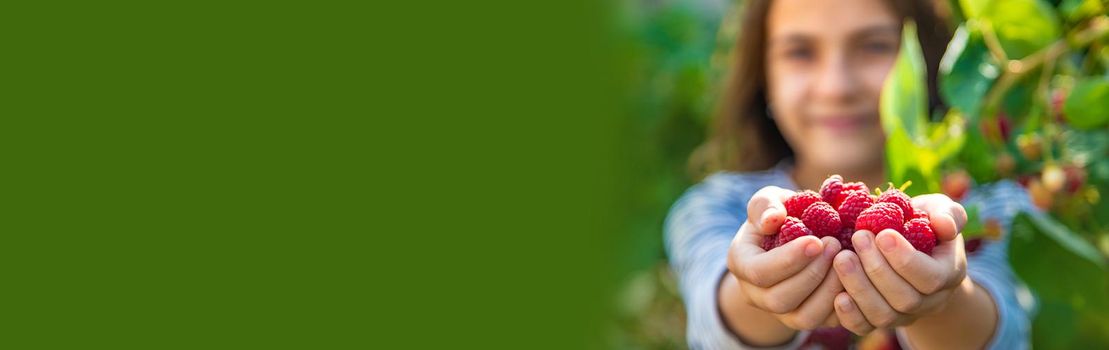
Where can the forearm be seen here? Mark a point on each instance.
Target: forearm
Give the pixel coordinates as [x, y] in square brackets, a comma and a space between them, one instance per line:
[967, 322]
[755, 327]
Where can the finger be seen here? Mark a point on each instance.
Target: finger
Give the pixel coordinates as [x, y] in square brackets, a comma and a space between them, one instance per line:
[898, 293]
[927, 274]
[850, 316]
[788, 294]
[747, 238]
[746, 244]
[817, 307]
[952, 257]
[766, 209]
[831, 322]
[946, 216]
[867, 298]
[765, 269]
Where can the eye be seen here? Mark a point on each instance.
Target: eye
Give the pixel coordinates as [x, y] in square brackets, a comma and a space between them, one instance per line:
[799, 53]
[879, 47]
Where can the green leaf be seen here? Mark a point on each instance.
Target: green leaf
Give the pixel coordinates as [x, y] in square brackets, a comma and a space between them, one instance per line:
[904, 101]
[1066, 273]
[949, 135]
[973, 8]
[905, 161]
[914, 147]
[903, 110]
[967, 71]
[1059, 234]
[1020, 98]
[1087, 106]
[1055, 326]
[1022, 26]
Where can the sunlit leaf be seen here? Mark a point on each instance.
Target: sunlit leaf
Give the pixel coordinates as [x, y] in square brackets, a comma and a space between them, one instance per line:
[967, 71]
[973, 8]
[914, 147]
[1022, 26]
[904, 101]
[905, 161]
[949, 135]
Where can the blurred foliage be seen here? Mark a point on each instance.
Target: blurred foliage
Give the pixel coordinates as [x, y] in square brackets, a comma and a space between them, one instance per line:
[672, 45]
[1028, 90]
[678, 50]
[1027, 86]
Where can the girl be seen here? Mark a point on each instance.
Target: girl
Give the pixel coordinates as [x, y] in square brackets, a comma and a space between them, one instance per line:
[802, 104]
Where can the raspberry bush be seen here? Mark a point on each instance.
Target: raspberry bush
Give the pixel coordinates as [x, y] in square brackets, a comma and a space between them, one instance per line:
[1026, 90]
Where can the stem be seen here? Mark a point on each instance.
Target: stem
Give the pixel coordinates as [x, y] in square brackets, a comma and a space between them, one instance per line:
[993, 43]
[1013, 70]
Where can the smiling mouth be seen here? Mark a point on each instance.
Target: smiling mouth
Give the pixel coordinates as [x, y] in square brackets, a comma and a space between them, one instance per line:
[840, 124]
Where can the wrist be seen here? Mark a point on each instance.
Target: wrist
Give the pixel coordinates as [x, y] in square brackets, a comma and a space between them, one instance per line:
[960, 296]
[969, 317]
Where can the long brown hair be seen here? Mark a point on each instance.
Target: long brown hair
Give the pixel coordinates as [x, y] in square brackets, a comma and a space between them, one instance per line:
[742, 137]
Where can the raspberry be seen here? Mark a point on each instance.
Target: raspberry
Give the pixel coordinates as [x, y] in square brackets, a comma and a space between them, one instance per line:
[797, 204]
[792, 229]
[919, 233]
[854, 186]
[956, 184]
[769, 242]
[844, 238]
[822, 219]
[831, 188]
[847, 189]
[879, 217]
[897, 197]
[973, 244]
[919, 214]
[853, 204]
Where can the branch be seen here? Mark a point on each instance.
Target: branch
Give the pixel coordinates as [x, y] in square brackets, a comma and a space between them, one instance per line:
[993, 43]
[1015, 69]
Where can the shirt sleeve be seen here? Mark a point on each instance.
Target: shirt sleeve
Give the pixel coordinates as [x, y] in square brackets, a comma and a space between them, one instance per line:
[698, 232]
[989, 266]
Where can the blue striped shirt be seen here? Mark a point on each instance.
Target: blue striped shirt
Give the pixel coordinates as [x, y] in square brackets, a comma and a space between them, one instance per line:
[702, 223]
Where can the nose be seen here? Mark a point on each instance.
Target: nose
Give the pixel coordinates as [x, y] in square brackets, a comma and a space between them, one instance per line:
[837, 80]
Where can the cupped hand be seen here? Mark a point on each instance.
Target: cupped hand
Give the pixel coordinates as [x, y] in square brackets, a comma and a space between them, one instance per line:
[889, 283]
[792, 281]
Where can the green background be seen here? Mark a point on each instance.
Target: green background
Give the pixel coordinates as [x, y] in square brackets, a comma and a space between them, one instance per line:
[312, 175]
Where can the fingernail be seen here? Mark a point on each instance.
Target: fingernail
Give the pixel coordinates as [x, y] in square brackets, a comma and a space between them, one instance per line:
[846, 266]
[829, 251]
[864, 242]
[812, 250]
[766, 216]
[844, 304]
[887, 243]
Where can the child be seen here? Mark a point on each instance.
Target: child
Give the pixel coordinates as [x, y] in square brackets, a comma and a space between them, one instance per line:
[802, 105]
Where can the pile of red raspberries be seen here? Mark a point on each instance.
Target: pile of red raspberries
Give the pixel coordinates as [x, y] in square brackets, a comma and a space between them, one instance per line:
[841, 208]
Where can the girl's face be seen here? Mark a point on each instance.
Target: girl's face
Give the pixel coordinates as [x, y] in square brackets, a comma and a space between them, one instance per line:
[826, 62]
